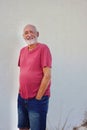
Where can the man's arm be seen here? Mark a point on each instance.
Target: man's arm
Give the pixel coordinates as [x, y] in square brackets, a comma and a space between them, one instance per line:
[44, 83]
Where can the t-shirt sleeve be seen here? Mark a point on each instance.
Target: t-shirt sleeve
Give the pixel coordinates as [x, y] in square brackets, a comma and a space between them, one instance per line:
[19, 59]
[46, 58]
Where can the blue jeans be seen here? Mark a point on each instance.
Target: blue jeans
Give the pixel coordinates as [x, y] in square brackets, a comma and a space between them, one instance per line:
[32, 113]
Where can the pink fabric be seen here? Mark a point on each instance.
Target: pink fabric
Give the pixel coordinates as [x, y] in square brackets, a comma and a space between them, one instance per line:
[31, 69]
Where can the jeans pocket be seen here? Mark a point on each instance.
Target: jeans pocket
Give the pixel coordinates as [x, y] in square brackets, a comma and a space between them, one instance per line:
[45, 99]
[33, 104]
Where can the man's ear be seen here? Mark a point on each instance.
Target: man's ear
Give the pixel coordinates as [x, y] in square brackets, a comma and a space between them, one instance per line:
[37, 34]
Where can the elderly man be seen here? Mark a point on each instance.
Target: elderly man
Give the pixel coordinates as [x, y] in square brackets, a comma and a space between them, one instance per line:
[34, 80]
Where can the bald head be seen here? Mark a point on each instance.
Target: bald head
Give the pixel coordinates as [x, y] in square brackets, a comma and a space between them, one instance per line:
[30, 27]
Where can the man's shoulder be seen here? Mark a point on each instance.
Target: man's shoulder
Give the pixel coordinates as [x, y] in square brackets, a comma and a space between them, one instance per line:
[43, 45]
[23, 48]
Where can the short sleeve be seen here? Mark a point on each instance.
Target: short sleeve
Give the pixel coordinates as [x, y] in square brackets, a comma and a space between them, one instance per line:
[46, 58]
[19, 59]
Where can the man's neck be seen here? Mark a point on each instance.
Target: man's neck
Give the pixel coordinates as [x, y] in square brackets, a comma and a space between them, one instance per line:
[32, 46]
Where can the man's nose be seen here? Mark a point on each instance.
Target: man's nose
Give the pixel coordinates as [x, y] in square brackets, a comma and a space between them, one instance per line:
[29, 34]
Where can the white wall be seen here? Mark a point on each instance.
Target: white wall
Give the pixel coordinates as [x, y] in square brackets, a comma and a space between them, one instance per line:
[63, 27]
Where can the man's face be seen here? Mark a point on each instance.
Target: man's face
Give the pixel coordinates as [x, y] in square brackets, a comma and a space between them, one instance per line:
[30, 34]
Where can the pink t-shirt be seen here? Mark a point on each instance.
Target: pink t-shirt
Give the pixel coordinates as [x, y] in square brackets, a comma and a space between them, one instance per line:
[31, 64]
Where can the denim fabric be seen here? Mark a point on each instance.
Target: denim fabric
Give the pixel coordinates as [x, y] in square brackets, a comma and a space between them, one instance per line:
[32, 113]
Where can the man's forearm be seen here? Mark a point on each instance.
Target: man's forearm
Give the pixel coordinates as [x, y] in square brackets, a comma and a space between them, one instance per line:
[43, 86]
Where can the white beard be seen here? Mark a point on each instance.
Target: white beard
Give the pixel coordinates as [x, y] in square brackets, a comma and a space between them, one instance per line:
[32, 41]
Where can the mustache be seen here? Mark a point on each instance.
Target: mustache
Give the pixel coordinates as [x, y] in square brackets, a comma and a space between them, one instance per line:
[31, 41]
[30, 37]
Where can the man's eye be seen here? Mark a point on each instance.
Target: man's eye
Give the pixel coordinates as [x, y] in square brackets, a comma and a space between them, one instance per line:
[26, 33]
[31, 31]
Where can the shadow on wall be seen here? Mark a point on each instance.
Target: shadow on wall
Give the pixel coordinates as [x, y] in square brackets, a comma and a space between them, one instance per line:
[5, 97]
[7, 69]
[67, 125]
